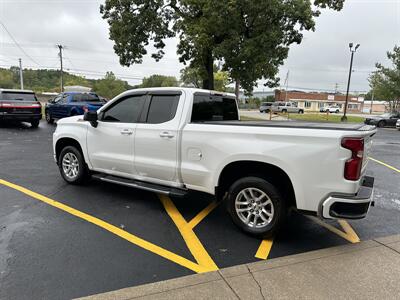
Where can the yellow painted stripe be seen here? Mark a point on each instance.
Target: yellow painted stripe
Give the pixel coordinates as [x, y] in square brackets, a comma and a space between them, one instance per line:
[111, 228]
[201, 215]
[348, 235]
[264, 249]
[384, 164]
[193, 243]
[349, 231]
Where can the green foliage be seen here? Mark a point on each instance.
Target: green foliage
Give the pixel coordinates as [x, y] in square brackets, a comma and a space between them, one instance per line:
[252, 38]
[190, 76]
[159, 81]
[385, 81]
[39, 80]
[49, 81]
[109, 86]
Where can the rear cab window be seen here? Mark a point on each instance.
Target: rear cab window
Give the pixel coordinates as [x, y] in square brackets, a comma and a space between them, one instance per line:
[162, 108]
[208, 107]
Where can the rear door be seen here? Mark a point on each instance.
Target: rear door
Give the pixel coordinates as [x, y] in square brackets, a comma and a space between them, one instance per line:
[156, 139]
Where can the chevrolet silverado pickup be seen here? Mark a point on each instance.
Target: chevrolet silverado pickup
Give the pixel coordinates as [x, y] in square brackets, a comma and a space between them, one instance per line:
[172, 140]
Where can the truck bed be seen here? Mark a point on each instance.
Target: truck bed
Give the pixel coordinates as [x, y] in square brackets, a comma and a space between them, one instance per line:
[296, 124]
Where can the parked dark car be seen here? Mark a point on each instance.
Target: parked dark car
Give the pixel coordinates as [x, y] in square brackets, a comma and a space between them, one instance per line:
[69, 104]
[265, 107]
[20, 105]
[385, 120]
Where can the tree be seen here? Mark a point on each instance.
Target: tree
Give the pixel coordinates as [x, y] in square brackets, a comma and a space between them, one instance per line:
[6, 79]
[385, 81]
[190, 76]
[159, 81]
[251, 38]
[109, 86]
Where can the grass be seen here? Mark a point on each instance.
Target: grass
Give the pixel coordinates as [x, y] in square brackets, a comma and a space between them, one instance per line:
[331, 118]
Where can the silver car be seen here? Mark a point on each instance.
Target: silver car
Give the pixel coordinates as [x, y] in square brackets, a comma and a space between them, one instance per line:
[286, 107]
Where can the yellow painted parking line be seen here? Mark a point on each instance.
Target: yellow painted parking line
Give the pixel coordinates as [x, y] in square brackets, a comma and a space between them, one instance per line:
[264, 249]
[348, 234]
[113, 229]
[384, 164]
[193, 243]
[201, 215]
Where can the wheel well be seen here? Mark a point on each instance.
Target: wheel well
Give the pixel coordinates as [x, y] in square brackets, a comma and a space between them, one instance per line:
[273, 174]
[64, 142]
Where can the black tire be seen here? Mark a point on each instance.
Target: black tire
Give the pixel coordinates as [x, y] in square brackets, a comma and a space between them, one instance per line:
[266, 111]
[284, 111]
[278, 203]
[337, 111]
[48, 117]
[301, 111]
[83, 173]
[34, 123]
[381, 124]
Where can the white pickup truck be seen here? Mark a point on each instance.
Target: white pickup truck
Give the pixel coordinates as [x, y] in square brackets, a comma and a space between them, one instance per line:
[172, 140]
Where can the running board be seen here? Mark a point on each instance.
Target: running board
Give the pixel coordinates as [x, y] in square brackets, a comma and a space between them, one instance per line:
[160, 189]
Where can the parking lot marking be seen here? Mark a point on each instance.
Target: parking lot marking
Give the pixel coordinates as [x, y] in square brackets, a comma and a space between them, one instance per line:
[193, 243]
[384, 164]
[264, 249]
[113, 229]
[201, 215]
[349, 234]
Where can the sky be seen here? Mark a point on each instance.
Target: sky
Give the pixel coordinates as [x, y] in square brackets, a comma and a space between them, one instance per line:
[319, 63]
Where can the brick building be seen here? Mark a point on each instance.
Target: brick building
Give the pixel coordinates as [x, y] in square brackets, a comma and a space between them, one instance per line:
[314, 101]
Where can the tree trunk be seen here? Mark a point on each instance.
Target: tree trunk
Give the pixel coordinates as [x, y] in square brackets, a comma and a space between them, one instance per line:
[208, 83]
[237, 92]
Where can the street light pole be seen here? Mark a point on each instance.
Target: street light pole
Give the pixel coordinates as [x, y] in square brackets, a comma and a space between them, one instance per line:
[344, 118]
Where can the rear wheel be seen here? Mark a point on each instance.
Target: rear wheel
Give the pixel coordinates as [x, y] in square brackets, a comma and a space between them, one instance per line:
[49, 119]
[284, 111]
[337, 111]
[34, 123]
[72, 166]
[256, 206]
[381, 124]
[301, 111]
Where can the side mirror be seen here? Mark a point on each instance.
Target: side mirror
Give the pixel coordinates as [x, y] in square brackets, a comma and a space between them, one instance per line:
[91, 116]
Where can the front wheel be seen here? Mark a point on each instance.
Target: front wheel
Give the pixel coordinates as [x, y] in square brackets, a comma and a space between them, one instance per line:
[49, 119]
[256, 206]
[381, 124]
[72, 166]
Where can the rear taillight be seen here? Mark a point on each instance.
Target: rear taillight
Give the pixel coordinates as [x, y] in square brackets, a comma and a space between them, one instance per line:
[85, 109]
[352, 169]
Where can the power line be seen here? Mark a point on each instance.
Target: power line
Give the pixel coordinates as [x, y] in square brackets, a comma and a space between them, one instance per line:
[16, 43]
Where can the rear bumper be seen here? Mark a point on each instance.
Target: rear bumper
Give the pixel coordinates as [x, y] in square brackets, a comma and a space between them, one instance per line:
[343, 206]
[20, 117]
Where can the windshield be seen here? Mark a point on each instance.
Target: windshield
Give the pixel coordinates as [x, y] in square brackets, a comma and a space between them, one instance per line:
[18, 96]
[386, 115]
[85, 97]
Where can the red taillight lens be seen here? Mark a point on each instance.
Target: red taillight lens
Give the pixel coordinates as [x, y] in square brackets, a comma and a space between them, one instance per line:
[85, 109]
[352, 169]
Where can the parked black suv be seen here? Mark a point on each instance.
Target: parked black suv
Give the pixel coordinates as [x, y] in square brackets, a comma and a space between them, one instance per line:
[20, 105]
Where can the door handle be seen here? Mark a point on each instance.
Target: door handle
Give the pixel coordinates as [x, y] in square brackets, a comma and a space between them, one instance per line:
[126, 131]
[166, 134]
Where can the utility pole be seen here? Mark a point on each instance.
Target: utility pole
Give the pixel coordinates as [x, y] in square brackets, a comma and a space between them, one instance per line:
[287, 84]
[60, 47]
[21, 76]
[344, 118]
[336, 88]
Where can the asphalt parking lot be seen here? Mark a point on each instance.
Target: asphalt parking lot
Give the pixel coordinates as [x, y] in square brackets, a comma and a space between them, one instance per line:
[59, 241]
